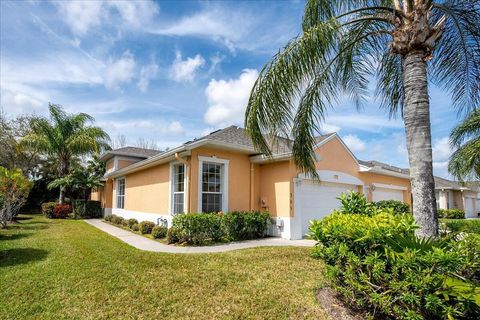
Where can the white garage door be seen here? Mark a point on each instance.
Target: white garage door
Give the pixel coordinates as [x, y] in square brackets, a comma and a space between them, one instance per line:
[316, 200]
[469, 207]
[380, 194]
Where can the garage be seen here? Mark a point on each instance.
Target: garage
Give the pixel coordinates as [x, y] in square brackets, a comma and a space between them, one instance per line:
[379, 194]
[469, 207]
[316, 200]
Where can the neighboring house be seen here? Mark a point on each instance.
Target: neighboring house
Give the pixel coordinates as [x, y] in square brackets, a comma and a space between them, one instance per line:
[453, 195]
[223, 172]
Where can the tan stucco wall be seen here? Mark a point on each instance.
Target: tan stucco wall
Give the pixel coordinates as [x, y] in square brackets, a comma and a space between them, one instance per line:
[275, 188]
[125, 163]
[97, 194]
[238, 180]
[108, 194]
[334, 156]
[110, 165]
[148, 190]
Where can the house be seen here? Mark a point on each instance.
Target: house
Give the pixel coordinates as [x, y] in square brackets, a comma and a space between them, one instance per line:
[453, 195]
[223, 172]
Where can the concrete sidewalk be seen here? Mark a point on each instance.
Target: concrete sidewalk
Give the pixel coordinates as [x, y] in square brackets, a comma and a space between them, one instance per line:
[146, 244]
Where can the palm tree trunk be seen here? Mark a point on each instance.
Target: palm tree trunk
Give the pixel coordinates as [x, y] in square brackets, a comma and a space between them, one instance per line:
[416, 114]
[63, 171]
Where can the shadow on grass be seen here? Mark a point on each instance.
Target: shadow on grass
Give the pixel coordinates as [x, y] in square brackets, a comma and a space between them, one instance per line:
[13, 257]
[14, 236]
[22, 218]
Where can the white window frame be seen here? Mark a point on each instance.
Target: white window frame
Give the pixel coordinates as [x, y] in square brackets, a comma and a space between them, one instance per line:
[117, 183]
[224, 181]
[171, 202]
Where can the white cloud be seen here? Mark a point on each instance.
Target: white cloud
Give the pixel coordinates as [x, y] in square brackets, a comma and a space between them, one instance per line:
[146, 74]
[363, 122]
[120, 71]
[81, 16]
[329, 128]
[354, 143]
[174, 128]
[185, 70]
[441, 150]
[227, 99]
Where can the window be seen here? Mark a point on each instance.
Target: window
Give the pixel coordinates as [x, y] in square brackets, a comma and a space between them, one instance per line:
[121, 193]
[178, 188]
[212, 187]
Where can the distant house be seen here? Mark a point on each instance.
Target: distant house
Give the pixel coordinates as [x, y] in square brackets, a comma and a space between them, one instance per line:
[223, 172]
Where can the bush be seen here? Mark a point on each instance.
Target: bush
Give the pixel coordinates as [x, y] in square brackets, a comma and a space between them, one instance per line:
[355, 203]
[398, 206]
[240, 225]
[135, 227]
[463, 225]
[131, 222]
[451, 213]
[108, 218]
[173, 235]
[87, 209]
[159, 232]
[198, 228]
[61, 211]
[145, 227]
[376, 263]
[116, 219]
[47, 209]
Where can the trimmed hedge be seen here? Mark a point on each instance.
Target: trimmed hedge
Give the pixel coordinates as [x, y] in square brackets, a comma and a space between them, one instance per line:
[377, 264]
[145, 227]
[47, 209]
[242, 225]
[87, 209]
[61, 211]
[451, 213]
[159, 232]
[397, 206]
[202, 228]
[131, 222]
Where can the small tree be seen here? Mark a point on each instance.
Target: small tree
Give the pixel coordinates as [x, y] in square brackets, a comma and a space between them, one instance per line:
[14, 190]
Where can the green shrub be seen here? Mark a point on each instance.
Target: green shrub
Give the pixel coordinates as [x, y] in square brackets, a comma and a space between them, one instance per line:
[376, 263]
[61, 211]
[355, 203]
[462, 225]
[145, 227]
[87, 209]
[451, 213]
[47, 209]
[242, 225]
[397, 206]
[116, 220]
[135, 227]
[131, 222]
[173, 235]
[108, 218]
[198, 228]
[159, 232]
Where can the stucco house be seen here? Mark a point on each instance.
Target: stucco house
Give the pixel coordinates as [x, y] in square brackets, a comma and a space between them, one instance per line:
[223, 172]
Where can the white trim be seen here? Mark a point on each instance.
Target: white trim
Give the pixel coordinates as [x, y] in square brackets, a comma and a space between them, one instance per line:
[335, 177]
[384, 172]
[389, 186]
[142, 216]
[225, 162]
[171, 188]
[115, 205]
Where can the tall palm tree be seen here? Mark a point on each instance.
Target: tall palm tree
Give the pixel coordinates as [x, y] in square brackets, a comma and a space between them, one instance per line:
[404, 44]
[465, 161]
[65, 136]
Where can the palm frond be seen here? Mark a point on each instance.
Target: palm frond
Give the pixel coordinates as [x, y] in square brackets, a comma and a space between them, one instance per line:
[470, 127]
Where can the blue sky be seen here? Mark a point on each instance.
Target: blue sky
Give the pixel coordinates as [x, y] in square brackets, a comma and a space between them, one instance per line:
[173, 70]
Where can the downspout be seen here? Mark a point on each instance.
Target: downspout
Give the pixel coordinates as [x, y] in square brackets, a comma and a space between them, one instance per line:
[252, 182]
[187, 184]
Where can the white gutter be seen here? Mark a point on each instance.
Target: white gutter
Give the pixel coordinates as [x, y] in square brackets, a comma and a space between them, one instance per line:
[384, 172]
[277, 157]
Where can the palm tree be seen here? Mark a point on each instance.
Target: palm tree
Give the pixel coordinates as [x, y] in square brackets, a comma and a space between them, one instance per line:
[65, 136]
[344, 44]
[465, 161]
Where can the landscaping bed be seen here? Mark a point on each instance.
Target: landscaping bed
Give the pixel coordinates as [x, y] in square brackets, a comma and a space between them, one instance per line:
[67, 269]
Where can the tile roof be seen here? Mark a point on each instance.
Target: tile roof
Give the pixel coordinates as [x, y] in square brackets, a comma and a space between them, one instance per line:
[133, 152]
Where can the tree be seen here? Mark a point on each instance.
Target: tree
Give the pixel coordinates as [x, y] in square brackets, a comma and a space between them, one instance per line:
[65, 136]
[14, 189]
[343, 46]
[465, 161]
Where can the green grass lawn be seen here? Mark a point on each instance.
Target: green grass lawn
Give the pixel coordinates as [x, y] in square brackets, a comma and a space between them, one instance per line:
[58, 269]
